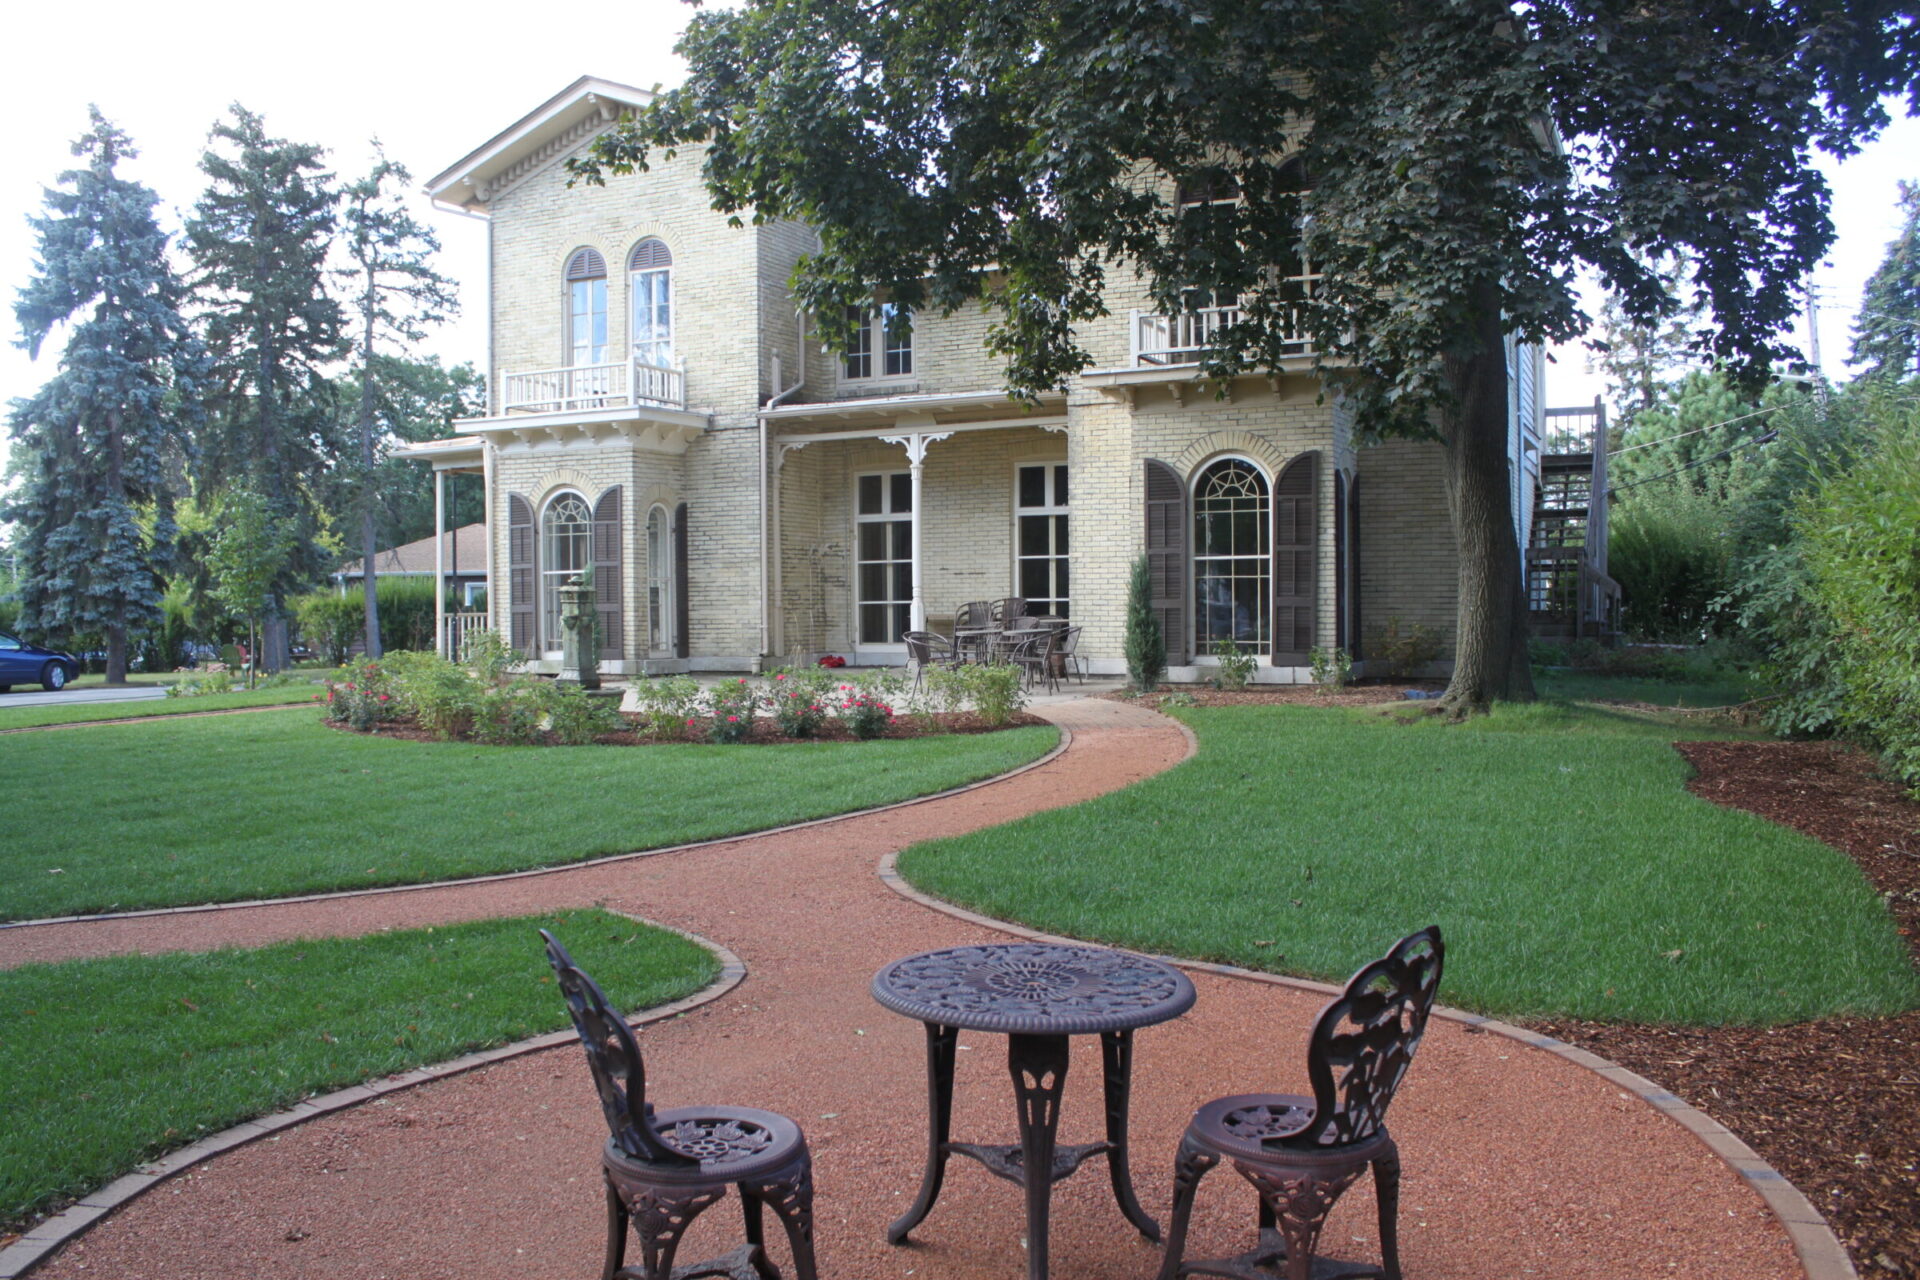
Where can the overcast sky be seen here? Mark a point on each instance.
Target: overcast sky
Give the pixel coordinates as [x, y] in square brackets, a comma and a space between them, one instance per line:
[432, 81]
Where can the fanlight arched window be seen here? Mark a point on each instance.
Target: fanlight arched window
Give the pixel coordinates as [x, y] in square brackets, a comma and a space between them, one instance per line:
[1232, 558]
[566, 549]
[651, 267]
[586, 277]
[659, 582]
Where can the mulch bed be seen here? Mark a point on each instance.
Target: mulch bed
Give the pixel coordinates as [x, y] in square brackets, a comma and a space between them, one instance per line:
[1833, 1104]
[1299, 695]
[765, 733]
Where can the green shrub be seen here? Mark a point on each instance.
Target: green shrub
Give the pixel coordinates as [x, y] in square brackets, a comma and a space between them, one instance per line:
[332, 621]
[201, 686]
[669, 705]
[730, 708]
[488, 656]
[998, 690]
[798, 699]
[1670, 551]
[363, 697]
[1399, 653]
[1146, 648]
[439, 695]
[1236, 668]
[577, 717]
[1330, 667]
[510, 715]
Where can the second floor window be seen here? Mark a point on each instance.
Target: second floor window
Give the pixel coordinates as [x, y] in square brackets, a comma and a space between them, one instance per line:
[651, 266]
[586, 308]
[886, 330]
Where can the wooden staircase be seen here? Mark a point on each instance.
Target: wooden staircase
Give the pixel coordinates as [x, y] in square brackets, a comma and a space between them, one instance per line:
[1569, 595]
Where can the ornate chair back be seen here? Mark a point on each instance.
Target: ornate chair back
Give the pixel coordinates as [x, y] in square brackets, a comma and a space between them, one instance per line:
[1365, 1039]
[613, 1055]
[974, 613]
[1007, 608]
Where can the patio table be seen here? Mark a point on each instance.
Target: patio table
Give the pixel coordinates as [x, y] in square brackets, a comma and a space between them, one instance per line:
[1038, 995]
[975, 642]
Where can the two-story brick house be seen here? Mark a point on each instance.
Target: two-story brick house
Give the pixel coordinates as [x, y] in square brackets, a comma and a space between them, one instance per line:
[658, 409]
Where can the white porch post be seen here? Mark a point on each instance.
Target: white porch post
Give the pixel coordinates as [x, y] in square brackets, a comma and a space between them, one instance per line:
[440, 563]
[916, 446]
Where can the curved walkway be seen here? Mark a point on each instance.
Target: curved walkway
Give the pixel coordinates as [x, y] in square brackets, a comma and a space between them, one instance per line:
[1519, 1162]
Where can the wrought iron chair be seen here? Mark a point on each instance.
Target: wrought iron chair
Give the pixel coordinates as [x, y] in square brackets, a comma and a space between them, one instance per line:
[662, 1168]
[1301, 1153]
[1035, 651]
[928, 648]
[975, 616]
[1007, 608]
[1069, 649]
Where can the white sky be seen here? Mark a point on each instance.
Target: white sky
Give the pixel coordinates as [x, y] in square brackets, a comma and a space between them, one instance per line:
[432, 81]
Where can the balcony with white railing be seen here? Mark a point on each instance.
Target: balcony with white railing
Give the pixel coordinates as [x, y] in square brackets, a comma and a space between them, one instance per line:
[619, 384]
[1160, 340]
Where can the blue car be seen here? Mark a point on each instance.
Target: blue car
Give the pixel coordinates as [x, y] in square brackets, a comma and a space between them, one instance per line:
[23, 663]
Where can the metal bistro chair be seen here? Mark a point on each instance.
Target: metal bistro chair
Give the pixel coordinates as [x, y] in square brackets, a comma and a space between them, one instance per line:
[928, 649]
[1069, 650]
[1007, 608]
[662, 1168]
[1035, 651]
[1301, 1153]
[977, 617]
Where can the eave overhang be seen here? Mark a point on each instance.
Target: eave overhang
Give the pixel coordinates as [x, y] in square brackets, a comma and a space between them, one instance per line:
[554, 127]
[649, 429]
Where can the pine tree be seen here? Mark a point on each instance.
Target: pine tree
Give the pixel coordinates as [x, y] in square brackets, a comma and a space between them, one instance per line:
[90, 443]
[259, 240]
[397, 295]
[1887, 334]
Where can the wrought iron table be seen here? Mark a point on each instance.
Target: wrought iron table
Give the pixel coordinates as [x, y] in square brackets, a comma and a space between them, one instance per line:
[1038, 995]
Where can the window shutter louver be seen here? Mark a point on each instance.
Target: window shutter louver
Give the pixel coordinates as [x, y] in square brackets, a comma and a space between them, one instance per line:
[1354, 631]
[1166, 548]
[586, 264]
[681, 613]
[649, 255]
[1342, 565]
[520, 573]
[608, 585]
[1294, 545]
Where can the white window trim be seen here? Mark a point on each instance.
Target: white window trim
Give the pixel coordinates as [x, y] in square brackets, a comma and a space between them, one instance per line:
[875, 327]
[633, 305]
[1193, 543]
[543, 574]
[853, 595]
[1014, 556]
[664, 623]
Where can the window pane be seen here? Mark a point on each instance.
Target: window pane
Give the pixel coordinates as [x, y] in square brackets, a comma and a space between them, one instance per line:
[902, 616]
[1060, 585]
[871, 489]
[873, 624]
[903, 582]
[902, 539]
[1035, 580]
[873, 582]
[1033, 486]
[873, 541]
[1060, 535]
[902, 494]
[1060, 486]
[1033, 536]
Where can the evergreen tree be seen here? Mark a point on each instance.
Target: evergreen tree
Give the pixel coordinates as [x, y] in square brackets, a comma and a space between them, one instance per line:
[1641, 357]
[1887, 334]
[90, 444]
[259, 240]
[397, 294]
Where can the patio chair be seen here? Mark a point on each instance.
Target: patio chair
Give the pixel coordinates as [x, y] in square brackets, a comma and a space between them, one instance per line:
[1007, 608]
[925, 649]
[976, 616]
[1300, 1153]
[663, 1167]
[1069, 651]
[1035, 650]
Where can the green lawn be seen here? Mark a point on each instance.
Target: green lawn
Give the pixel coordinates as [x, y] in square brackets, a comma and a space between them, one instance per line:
[79, 712]
[108, 1063]
[233, 807]
[1556, 846]
[1725, 689]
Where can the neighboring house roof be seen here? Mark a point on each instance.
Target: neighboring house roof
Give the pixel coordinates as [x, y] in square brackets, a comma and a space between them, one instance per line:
[543, 135]
[466, 548]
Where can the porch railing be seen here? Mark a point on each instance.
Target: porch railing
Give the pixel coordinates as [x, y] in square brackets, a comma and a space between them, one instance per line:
[613, 385]
[1158, 339]
[459, 627]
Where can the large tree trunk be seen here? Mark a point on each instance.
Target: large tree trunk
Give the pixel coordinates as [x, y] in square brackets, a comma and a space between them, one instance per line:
[1490, 630]
[368, 544]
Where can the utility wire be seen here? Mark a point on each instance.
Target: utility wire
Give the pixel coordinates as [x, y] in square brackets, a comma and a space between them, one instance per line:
[1648, 444]
[1729, 451]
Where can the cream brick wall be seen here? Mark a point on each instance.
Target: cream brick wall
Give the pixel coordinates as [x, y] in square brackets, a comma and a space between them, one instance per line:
[1408, 567]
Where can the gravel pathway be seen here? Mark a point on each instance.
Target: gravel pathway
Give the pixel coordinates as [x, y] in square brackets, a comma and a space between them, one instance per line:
[1518, 1163]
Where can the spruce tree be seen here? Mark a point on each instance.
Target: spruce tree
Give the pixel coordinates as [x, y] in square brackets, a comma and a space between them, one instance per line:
[397, 294]
[1887, 335]
[259, 239]
[90, 444]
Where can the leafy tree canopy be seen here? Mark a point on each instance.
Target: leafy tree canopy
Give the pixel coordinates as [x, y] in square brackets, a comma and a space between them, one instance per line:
[1887, 334]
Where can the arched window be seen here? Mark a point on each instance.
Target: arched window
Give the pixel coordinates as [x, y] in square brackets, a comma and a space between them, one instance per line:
[586, 308]
[566, 548]
[651, 268]
[1232, 558]
[659, 582]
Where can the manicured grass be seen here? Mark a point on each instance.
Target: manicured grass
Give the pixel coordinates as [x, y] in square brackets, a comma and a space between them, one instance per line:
[233, 807]
[80, 712]
[108, 1063]
[1556, 846]
[1725, 689]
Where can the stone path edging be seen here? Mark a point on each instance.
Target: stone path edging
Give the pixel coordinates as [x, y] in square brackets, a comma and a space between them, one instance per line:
[37, 1244]
[158, 715]
[1059, 748]
[1819, 1250]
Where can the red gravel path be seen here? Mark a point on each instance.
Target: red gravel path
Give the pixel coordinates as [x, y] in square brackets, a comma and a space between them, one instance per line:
[1517, 1162]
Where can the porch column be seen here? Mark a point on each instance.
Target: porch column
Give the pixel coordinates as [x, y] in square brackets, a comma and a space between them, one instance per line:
[916, 446]
[440, 563]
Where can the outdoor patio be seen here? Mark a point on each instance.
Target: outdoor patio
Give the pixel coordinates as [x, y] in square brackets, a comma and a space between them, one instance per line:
[1518, 1160]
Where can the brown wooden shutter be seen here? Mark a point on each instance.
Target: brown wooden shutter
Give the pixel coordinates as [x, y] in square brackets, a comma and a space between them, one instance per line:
[648, 255]
[1295, 527]
[608, 582]
[682, 614]
[520, 573]
[586, 264]
[1354, 631]
[1166, 547]
[1342, 566]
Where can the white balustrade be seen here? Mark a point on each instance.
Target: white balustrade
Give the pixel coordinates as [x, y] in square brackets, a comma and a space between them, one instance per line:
[1181, 339]
[615, 384]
